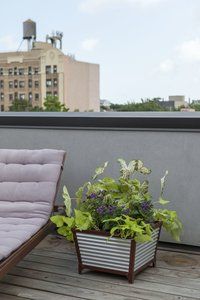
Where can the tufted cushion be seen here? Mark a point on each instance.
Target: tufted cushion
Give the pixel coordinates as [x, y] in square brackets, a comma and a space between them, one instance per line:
[28, 181]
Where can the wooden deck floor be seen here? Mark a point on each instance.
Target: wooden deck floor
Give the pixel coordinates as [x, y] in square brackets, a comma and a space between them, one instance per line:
[49, 272]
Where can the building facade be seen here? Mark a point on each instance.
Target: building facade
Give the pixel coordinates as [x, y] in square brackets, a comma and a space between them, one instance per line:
[179, 101]
[46, 70]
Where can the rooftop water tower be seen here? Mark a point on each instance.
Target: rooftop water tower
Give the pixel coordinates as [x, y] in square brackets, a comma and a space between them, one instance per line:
[29, 32]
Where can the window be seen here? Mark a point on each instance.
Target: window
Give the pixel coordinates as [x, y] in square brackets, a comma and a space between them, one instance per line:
[30, 96]
[10, 71]
[55, 82]
[21, 84]
[21, 96]
[36, 70]
[16, 84]
[21, 71]
[55, 93]
[10, 84]
[1, 84]
[29, 70]
[10, 97]
[36, 97]
[1, 71]
[16, 95]
[2, 96]
[2, 107]
[36, 84]
[15, 71]
[48, 94]
[48, 83]
[55, 69]
[48, 69]
[30, 83]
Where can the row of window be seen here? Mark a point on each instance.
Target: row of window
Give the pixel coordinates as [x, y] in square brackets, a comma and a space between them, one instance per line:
[22, 96]
[20, 84]
[18, 71]
[22, 71]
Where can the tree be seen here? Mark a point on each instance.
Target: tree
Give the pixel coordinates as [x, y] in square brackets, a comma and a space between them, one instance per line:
[195, 106]
[144, 105]
[52, 103]
[21, 105]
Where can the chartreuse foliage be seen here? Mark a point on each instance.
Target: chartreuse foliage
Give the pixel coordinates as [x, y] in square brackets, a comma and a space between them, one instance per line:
[81, 221]
[120, 206]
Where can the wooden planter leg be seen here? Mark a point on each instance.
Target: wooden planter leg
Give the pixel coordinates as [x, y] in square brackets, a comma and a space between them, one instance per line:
[131, 277]
[80, 269]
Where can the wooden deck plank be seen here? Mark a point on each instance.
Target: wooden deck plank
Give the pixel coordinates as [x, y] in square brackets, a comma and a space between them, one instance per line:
[10, 297]
[64, 289]
[164, 265]
[33, 294]
[124, 290]
[117, 280]
[50, 272]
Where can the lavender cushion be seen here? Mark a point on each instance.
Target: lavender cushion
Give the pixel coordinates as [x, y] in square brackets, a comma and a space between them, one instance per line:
[28, 181]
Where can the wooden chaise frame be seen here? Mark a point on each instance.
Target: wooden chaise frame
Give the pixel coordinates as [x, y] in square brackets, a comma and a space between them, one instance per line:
[26, 247]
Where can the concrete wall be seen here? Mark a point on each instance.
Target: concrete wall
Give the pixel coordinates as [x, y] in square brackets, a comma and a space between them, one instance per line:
[177, 152]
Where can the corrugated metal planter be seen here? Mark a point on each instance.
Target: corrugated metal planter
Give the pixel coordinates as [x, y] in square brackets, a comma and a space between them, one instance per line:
[95, 251]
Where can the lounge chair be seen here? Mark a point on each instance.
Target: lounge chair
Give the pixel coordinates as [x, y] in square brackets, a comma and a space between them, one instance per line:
[28, 186]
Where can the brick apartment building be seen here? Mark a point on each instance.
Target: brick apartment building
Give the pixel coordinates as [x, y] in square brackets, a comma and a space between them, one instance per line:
[45, 70]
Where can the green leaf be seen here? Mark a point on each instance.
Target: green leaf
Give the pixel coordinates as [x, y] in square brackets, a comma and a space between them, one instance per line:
[163, 201]
[69, 221]
[145, 171]
[58, 220]
[83, 220]
[63, 230]
[67, 201]
[162, 183]
[100, 170]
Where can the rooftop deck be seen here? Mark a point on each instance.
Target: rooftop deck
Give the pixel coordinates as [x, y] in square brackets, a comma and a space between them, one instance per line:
[49, 272]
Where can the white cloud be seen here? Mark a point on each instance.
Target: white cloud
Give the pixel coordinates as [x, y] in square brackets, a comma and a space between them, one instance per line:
[186, 53]
[189, 51]
[166, 66]
[8, 42]
[89, 44]
[94, 6]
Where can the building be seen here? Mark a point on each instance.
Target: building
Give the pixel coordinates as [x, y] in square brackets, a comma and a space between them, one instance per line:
[45, 70]
[179, 101]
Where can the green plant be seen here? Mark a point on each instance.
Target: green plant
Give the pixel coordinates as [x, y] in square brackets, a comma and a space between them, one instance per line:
[123, 206]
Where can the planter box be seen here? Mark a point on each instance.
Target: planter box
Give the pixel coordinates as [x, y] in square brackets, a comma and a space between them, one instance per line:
[114, 255]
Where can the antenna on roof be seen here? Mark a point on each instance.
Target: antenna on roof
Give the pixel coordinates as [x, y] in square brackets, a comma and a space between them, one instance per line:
[54, 37]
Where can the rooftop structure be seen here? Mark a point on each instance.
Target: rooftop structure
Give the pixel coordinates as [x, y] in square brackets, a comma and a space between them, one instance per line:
[45, 70]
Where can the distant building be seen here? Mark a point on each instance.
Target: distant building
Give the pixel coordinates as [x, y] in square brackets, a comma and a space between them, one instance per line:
[45, 70]
[179, 100]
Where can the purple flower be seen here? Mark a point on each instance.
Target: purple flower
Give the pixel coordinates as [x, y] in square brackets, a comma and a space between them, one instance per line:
[126, 211]
[101, 209]
[145, 206]
[111, 209]
[92, 196]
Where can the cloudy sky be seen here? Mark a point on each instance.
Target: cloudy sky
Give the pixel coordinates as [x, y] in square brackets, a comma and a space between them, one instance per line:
[145, 48]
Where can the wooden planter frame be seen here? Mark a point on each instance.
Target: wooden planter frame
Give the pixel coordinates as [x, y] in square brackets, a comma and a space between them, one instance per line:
[9, 262]
[131, 273]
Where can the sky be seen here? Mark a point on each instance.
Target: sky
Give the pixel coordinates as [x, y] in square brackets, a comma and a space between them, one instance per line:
[145, 48]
